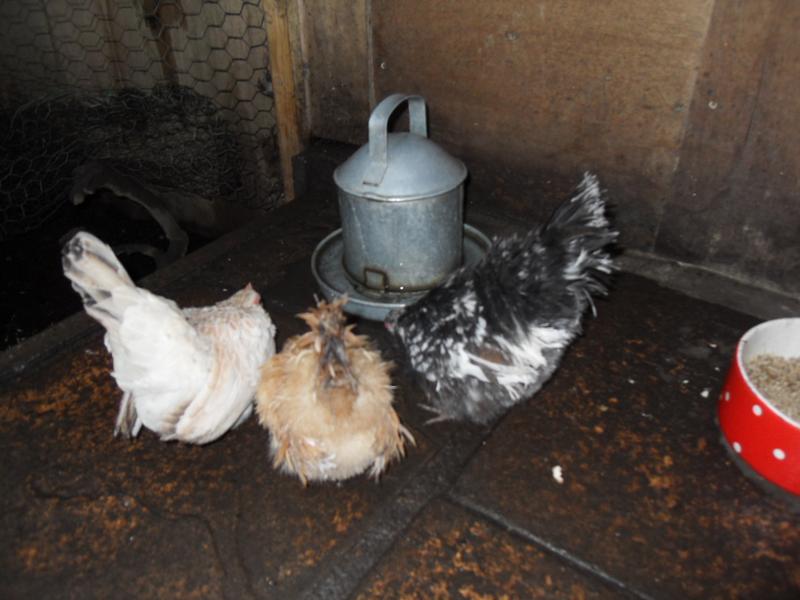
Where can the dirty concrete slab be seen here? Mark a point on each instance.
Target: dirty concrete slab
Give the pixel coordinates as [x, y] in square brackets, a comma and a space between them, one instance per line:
[84, 512]
[449, 552]
[649, 496]
[650, 503]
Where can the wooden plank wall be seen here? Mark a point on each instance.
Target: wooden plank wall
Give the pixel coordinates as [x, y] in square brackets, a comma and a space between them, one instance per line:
[735, 202]
[530, 93]
[552, 86]
[336, 69]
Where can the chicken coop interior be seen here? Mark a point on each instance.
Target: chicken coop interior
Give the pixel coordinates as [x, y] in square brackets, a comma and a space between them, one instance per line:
[209, 143]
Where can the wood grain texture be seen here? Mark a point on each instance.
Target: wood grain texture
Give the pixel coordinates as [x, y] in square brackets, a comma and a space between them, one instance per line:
[686, 110]
[282, 71]
[338, 69]
[734, 204]
[552, 87]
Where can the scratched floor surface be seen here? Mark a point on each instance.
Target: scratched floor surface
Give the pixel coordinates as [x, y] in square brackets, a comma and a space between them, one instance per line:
[611, 482]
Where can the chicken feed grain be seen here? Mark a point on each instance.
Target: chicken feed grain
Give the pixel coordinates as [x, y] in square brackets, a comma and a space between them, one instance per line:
[778, 378]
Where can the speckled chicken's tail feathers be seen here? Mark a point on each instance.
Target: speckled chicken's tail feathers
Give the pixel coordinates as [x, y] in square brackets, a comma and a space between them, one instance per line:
[581, 229]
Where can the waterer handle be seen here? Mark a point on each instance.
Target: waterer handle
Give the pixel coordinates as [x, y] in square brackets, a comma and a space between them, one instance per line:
[379, 131]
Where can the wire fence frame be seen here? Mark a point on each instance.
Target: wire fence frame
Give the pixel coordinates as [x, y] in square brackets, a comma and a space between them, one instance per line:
[176, 93]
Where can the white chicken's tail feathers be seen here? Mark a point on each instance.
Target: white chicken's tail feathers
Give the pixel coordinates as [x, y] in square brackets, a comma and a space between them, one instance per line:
[94, 271]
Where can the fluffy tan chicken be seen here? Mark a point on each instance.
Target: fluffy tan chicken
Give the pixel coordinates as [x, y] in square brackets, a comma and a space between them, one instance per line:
[187, 375]
[326, 399]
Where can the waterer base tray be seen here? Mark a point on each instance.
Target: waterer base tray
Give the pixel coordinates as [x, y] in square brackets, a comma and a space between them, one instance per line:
[328, 269]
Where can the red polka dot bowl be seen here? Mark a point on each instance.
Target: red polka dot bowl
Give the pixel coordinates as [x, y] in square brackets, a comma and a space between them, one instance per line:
[757, 432]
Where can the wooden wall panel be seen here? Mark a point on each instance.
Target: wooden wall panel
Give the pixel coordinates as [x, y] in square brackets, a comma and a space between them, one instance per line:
[689, 110]
[735, 203]
[337, 68]
[552, 87]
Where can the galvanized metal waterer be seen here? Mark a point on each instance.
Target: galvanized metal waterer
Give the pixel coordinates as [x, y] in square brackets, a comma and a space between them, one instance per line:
[401, 205]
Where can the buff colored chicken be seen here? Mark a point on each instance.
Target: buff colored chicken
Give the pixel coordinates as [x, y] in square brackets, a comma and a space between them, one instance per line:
[187, 375]
[326, 399]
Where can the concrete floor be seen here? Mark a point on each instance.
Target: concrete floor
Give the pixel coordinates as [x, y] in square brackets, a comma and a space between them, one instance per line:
[651, 505]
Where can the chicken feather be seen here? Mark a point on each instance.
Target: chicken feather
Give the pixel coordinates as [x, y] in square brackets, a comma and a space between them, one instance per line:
[491, 335]
[187, 375]
[326, 400]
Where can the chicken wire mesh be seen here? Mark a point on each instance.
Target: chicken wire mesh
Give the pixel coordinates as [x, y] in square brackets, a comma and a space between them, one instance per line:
[174, 93]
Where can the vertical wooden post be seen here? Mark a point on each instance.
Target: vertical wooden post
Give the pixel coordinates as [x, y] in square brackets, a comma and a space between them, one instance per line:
[286, 112]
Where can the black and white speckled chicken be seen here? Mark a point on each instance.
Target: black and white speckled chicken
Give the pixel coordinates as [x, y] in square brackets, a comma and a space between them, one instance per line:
[491, 335]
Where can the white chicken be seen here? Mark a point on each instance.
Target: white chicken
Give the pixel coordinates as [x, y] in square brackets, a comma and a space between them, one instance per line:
[187, 375]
